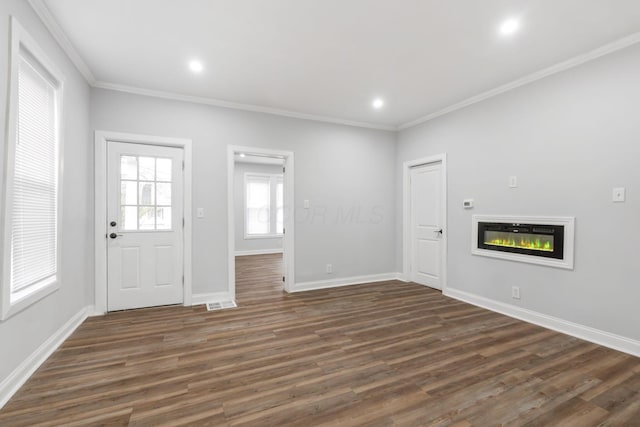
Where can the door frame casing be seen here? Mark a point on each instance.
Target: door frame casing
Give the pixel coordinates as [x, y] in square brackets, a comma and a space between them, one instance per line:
[100, 208]
[406, 213]
[288, 244]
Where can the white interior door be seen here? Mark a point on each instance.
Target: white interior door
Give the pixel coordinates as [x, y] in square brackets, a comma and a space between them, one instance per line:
[426, 225]
[145, 226]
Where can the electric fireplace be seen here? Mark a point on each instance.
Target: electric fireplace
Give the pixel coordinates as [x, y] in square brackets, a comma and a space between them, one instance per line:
[529, 239]
[546, 241]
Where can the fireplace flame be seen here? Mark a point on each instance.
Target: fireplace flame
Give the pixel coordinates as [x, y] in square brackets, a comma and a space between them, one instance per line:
[533, 244]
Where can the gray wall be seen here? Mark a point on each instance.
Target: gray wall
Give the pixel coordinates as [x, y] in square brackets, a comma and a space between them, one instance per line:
[243, 244]
[347, 174]
[569, 139]
[24, 332]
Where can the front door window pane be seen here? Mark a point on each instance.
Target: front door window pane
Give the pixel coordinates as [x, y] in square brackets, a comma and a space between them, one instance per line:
[145, 203]
[128, 167]
[129, 219]
[163, 218]
[163, 170]
[147, 194]
[147, 168]
[128, 193]
[163, 194]
[146, 217]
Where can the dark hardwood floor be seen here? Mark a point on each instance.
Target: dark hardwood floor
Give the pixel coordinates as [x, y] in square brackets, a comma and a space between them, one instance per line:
[259, 279]
[381, 354]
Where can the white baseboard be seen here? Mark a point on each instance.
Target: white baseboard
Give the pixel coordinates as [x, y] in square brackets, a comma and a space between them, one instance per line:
[345, 281]
[21, 374]
[92, 312]
[597, 336]
[198, 299]
[400, 277]
[258, 252]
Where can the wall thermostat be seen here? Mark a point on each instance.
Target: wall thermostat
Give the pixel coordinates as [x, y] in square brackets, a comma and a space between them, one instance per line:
[467, 203]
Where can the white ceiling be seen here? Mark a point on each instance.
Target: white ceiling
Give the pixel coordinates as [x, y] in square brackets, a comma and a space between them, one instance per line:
[333, 57]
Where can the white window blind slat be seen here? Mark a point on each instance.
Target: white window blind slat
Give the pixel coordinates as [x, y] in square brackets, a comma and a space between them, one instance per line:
[264, 204]
[258, 194]
[35, 182]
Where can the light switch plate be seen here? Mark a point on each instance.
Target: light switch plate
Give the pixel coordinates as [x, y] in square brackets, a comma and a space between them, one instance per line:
[200, 213]
[467, 203]
[618, 194]
[306, 204]
[513, 181]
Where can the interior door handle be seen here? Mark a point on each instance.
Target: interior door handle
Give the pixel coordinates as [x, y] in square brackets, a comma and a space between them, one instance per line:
[439, 231]
[114, 235]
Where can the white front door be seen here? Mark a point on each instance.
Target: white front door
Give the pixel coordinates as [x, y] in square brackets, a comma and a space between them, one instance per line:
[426, 224]
[145, 225]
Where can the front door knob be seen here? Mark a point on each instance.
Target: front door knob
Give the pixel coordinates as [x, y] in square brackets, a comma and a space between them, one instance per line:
[113, 235]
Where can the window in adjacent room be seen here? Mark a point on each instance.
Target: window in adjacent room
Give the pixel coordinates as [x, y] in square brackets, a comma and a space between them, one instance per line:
[31, 255]
[264, 205]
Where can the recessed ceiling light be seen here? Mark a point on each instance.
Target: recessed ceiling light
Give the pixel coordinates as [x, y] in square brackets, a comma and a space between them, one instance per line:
[378, 103]
[509, 26]
[196, 66]
[242, 154]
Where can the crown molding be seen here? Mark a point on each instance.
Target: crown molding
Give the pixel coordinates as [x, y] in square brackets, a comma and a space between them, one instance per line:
[554, 69]
[236, 106]
[60, 36]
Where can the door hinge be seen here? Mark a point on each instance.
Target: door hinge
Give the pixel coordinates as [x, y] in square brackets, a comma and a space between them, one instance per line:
[284, 230]
[182, 222]
[283, 170]
[283, 278]
[183, 280]
[183, 165]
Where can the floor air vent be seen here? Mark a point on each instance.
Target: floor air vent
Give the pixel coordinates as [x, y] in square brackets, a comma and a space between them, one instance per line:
[212, 306]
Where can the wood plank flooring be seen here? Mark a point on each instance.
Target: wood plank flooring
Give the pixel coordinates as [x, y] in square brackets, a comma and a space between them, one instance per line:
[380, 354]
[259, 279]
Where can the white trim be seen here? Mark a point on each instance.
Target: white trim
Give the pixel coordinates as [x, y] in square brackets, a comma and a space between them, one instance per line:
[258, 252]
[406, 214]
[100, 207]
[43, 12]
[345, 281]
[569, 227]
[262, 236]
[288, 239]
[199, 299]
[29, 365]
[21, 40]
[538, 75]
[597, 336]
[238, 106]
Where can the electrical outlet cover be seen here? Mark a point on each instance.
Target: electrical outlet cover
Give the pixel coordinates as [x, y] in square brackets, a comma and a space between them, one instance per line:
[619, 194]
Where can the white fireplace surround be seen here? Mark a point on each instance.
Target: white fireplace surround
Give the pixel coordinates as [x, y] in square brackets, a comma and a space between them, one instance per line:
[567, 221]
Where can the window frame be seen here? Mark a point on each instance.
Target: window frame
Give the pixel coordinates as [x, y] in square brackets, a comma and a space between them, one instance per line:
[274, 178]
[23, 45]
[138, 205]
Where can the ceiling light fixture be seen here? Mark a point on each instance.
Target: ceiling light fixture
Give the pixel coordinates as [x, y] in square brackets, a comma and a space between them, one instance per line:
[196, 66]
[509, 26]
[378, 103]
[241, 154]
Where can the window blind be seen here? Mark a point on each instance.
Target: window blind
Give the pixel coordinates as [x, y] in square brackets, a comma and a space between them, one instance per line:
[35, 182]
[258, 205]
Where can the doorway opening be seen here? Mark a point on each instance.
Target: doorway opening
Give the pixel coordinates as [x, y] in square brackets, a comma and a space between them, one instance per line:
[260, 224]
[425, 221]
